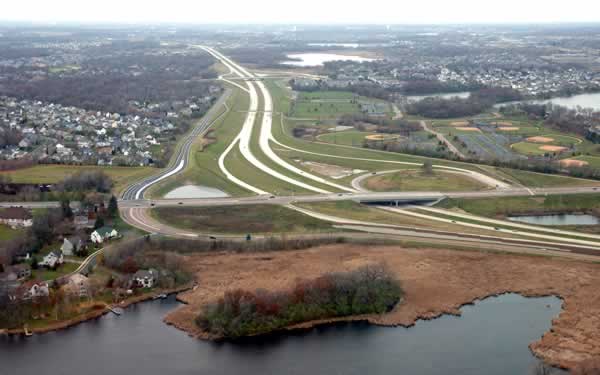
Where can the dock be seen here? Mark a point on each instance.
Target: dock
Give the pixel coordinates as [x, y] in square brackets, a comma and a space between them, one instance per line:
[115, 310]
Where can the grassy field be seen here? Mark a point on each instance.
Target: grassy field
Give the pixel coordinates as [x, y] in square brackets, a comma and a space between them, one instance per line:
[348, 137]
[328, 104]
[282, 132]
[240, 219]
[204, 170]
[521, 205]
[51, 174]
[44, 274]
[593, 161]
[541, 180]
[356, 211]
[6, 233]
[529, 148]
[416, 180]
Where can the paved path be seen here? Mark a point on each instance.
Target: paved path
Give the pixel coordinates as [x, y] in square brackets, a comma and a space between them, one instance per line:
[442, 138]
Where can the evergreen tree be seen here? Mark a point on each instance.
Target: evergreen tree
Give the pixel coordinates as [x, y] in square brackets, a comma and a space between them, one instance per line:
[113, 207]
[65, 206]
[99, 222]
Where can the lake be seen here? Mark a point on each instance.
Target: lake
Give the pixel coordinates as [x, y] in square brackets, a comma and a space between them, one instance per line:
[557, 219]
[195, 191]
[583, 100]
[318, 59]
[490, 338]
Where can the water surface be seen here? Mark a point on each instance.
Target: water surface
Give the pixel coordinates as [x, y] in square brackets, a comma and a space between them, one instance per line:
[583, 100]
[195, 191]
[490, 338]
[558, 219]
[318, 59]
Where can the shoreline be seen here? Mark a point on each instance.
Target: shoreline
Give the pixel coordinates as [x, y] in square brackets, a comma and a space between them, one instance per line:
[95, 313]
[436, 282]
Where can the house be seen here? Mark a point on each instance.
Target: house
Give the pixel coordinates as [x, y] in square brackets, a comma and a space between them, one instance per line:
[145, 279]
[16, 217]
[72, 246]
[77, 285]
[22, 271]
[53, 259]
[67, 248]
[33, 289]
[102, 234]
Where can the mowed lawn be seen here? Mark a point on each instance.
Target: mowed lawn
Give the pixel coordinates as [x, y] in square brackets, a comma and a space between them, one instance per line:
[46, 274]
[416, 180]
[593, 161]
[51, 174]
[349, 138]
[541, 180]
[240, 219]
[7, 233]
[325, 104]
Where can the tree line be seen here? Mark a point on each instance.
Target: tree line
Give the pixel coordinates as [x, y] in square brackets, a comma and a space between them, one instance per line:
[478, 102]
[370, 289]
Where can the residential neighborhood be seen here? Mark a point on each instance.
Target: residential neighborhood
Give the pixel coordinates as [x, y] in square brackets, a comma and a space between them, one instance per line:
[53, 133]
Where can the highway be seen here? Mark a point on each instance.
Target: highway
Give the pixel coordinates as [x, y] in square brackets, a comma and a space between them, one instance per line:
[310, 198]
[134, 206]
[181, 158]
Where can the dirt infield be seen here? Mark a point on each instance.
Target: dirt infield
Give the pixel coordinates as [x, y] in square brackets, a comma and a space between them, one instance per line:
[553, 148]
[508, 129]
[459, 123]
[539, 139]
[468, 129]
[381, 137]
[573, 163]
[435, 282]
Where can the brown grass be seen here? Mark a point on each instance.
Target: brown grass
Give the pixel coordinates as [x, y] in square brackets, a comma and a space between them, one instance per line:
[459, 123]
[435, 282]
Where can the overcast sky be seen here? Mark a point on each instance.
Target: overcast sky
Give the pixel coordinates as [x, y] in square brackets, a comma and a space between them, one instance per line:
[302, 11]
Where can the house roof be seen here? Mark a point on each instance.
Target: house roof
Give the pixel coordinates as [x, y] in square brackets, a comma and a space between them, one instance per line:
[104, 230]
[141, 274]
[18, 213]
[20, 267]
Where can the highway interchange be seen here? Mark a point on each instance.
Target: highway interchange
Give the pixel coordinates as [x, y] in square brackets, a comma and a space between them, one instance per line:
[135, 205]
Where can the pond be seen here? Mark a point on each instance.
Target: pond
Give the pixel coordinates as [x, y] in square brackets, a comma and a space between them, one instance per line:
[490, 338]
[195, 191]
[583, 100]
[318, 59]
[557, 219]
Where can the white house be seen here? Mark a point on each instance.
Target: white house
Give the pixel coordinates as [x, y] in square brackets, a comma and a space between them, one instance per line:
[34, 289]
[67, 247]
[102, 234]
[145, 279]
[53, 259]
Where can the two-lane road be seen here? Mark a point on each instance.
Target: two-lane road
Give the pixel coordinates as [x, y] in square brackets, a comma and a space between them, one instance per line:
[181, 158]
